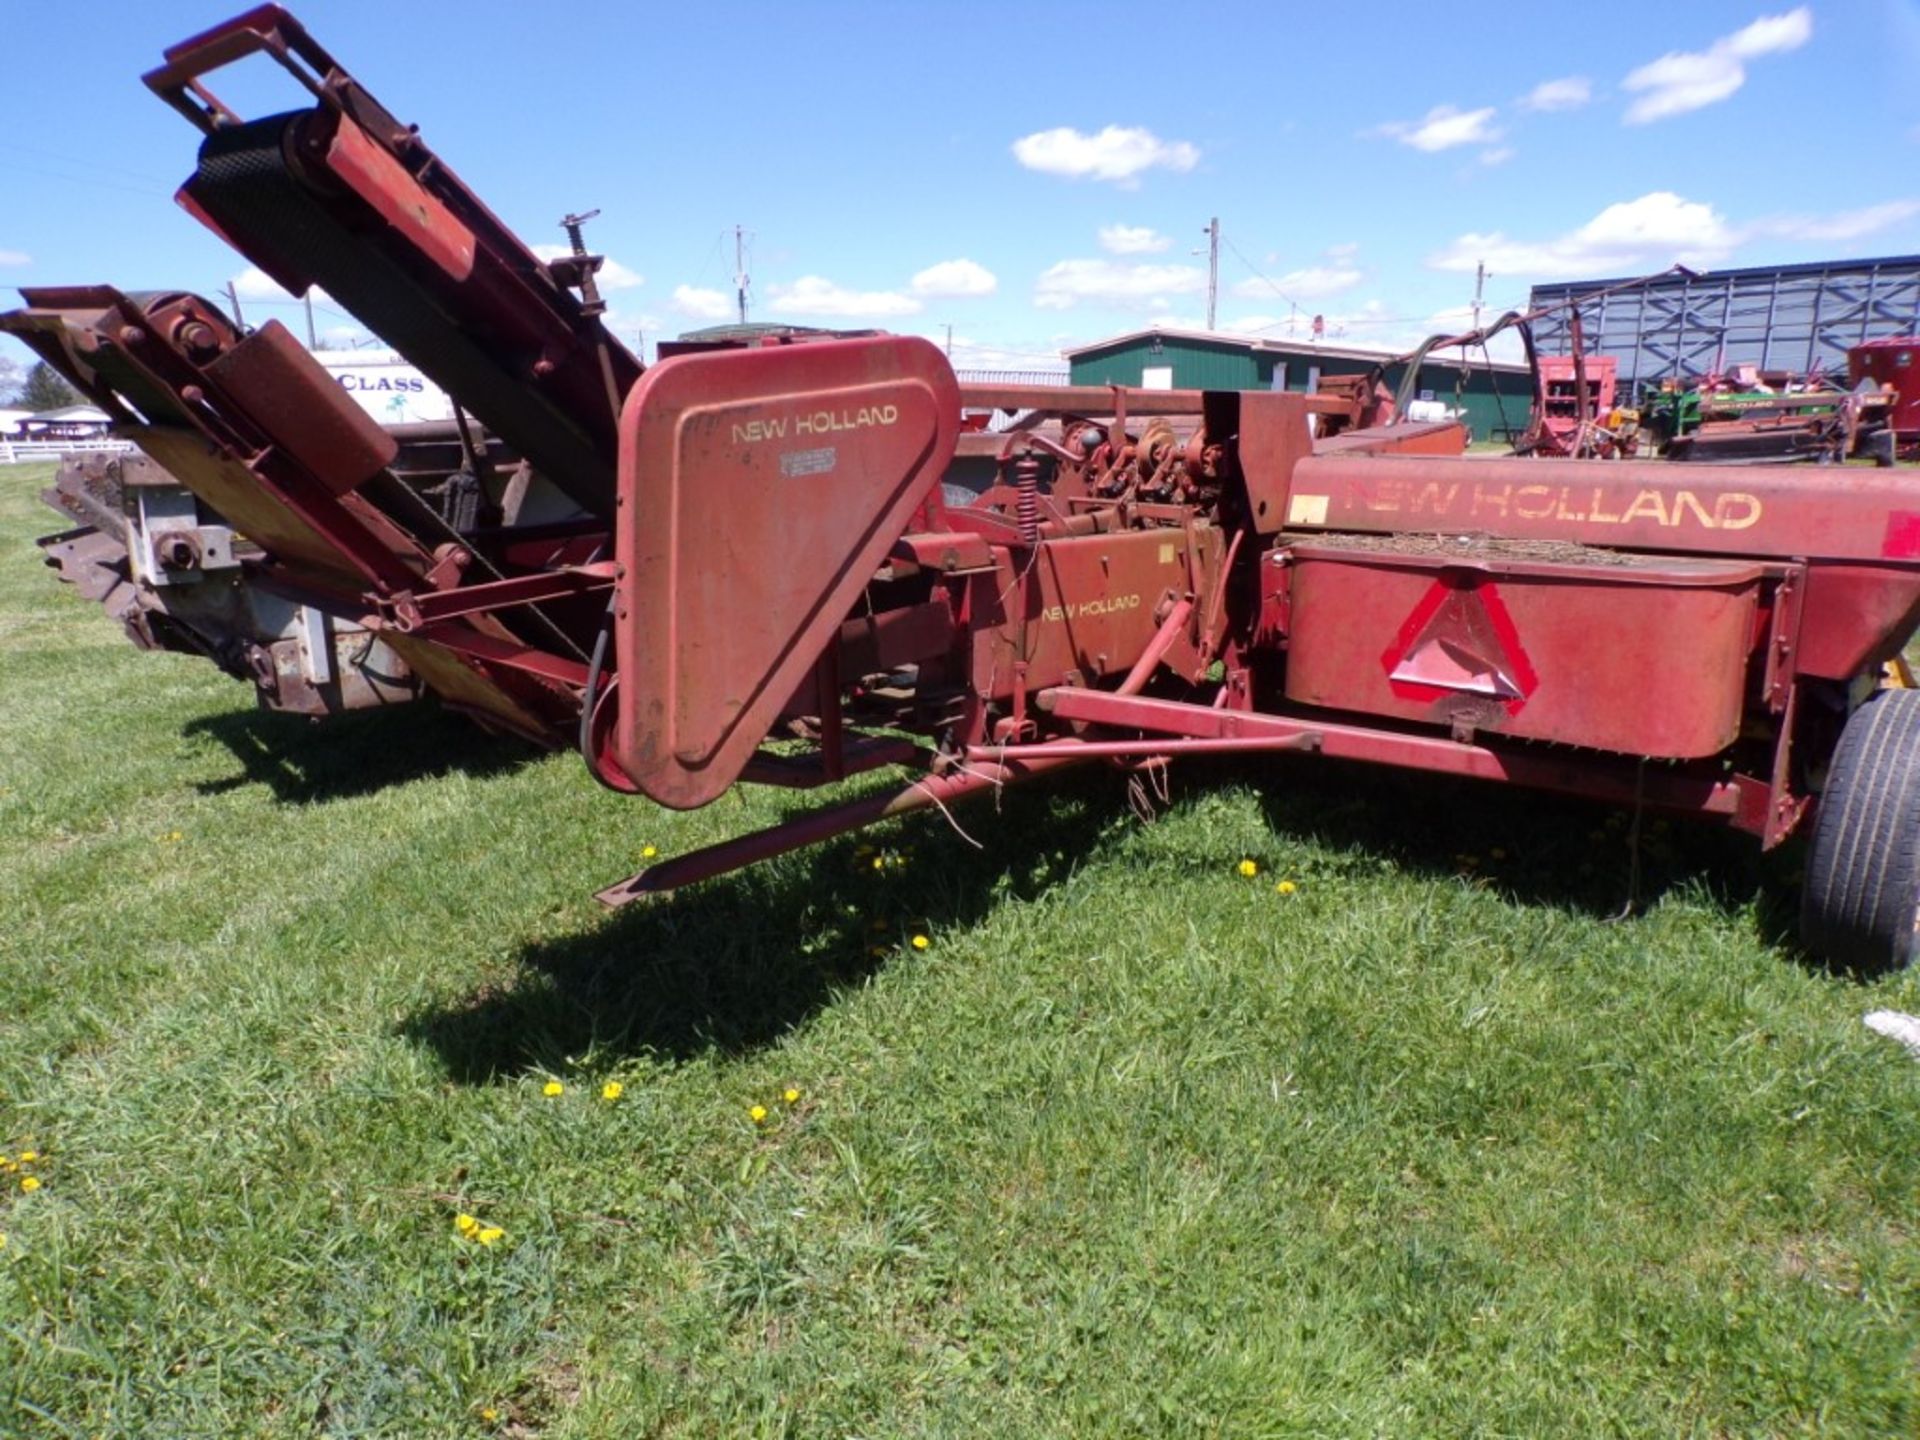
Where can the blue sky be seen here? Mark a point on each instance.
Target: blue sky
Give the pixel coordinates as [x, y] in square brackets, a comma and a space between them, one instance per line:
[1036, 175]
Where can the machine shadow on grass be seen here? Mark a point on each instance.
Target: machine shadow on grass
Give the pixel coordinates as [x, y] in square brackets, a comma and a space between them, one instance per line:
[732, 965]
[1537, 848]
[305, 761]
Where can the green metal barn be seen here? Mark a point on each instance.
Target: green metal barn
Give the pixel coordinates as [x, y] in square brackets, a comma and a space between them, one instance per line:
[1495, 398]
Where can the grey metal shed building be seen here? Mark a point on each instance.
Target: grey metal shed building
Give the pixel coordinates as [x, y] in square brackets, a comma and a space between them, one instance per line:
[1779, 317]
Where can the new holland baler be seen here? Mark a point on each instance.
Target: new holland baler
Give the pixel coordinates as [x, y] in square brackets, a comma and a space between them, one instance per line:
[764, 579]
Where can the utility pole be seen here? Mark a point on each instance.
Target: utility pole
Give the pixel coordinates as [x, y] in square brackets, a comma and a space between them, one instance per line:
[233, 299]
[313, 341]
[1479, 288]
[1213, 269]
[740, 271]
[949, 340]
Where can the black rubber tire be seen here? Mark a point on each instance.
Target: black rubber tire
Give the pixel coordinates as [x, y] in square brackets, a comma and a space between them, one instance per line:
[1861, 906]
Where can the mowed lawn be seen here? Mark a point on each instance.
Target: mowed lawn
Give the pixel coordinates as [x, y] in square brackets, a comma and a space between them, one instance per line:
[1424, 1145]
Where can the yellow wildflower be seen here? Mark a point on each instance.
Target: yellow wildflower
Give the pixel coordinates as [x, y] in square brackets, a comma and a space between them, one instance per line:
[1286, 887]
[489, 1414]
[1249, 868]
[27, 1157]
[3, 1242]
[465, 1223]
[757, 1114]
[791, 1094]
[879, 862]
[487, 1234]
[921, 942]
[648, 852]
[552, 1088]
[612, 1090]
[30, 1184]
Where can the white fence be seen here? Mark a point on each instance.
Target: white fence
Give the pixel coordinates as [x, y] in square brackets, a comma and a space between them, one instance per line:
[20, 452]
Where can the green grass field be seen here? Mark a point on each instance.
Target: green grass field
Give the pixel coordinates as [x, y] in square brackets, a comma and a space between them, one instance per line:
[1137, 1145]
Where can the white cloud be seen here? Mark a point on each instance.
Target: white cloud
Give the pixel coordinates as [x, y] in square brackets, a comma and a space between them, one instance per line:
[1070, 282]
[1844, 225]
[1499, 155]
[1658, 227]
[815, 295]
[1133, 240]
[1568, 93]
[701, 304]
[612, 275]
[15, 257]
[1683, 80]
[955, 278]
[1444, 127]
[976, 355]
[1307, 283]
[256, 285]
[1117, 153]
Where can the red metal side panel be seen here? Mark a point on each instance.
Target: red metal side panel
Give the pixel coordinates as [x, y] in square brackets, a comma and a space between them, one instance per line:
[759, 491]
[1641, 658]
[1837, 513]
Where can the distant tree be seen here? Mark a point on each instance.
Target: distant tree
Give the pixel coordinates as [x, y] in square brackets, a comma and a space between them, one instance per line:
[46, 390]
[11, 378]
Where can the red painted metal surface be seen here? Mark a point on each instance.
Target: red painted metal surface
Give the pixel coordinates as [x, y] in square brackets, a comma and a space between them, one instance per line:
[761, 490]
[1647, 658]
[1757, 511]
[1895, 363]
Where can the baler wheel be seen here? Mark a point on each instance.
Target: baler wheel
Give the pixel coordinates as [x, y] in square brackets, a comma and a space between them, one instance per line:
[1861, 907]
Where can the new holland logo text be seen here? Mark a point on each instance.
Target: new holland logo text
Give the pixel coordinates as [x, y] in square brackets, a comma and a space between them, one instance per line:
[815, 422]
[1570, 504]
[1087, 609]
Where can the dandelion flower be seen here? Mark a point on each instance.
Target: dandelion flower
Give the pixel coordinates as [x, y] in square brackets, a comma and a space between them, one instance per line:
[612, 1090]
[489, 1414]
[757, 1114]
[921, 942]
[487, 1234]
[791, 1094]
[879, 862]
[1249, 868]
[27, 1157]
[30, 1184]
[1286, 887]
[648, 852]
[465, 1223]
[552, 1088]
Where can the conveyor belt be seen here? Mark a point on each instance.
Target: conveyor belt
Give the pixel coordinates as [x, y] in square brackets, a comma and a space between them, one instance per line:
[244, 184]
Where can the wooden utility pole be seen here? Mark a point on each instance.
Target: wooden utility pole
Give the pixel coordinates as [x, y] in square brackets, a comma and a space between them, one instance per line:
[233, 299]
[740, 271]
[1213, 270]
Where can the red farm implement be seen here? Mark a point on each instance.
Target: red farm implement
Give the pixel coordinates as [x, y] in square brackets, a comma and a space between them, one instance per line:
[748, 568]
